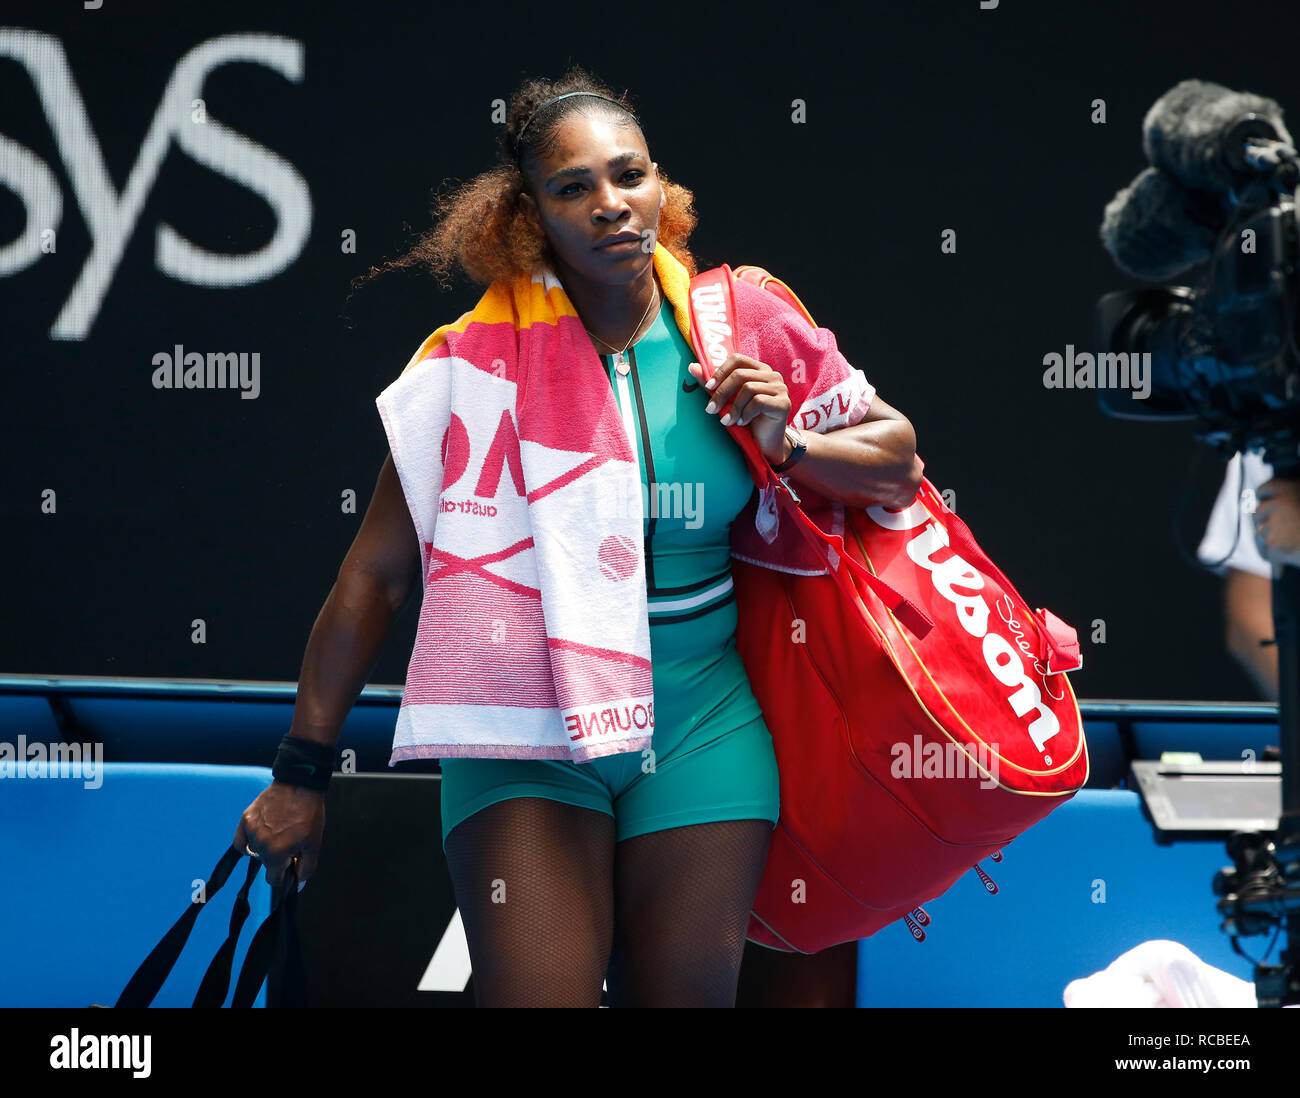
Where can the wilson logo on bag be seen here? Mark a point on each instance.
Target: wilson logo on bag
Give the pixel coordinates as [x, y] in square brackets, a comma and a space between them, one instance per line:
[924, 720]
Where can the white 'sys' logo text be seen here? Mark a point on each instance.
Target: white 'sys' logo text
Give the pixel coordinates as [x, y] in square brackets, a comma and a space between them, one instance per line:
[111, 217]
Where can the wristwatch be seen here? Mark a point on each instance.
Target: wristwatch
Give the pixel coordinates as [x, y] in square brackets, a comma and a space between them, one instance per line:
[800, 448]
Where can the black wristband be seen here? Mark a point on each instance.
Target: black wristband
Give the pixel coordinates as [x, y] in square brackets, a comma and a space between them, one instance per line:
[303, 762]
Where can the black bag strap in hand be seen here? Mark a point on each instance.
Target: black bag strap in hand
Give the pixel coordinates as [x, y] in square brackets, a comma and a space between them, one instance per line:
[279, 929]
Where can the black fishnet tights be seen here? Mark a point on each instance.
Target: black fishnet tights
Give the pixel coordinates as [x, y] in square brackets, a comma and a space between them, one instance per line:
[552, 906]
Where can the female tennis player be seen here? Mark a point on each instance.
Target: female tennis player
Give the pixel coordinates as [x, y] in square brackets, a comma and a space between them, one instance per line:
[610, 871]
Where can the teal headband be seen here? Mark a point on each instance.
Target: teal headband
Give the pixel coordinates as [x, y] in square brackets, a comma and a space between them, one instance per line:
[556, 99]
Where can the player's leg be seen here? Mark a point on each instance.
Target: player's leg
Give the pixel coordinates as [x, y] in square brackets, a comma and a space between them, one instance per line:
[683, 898]
[534, 883]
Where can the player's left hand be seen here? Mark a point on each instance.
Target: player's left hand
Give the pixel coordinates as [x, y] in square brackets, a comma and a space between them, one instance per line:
[752, 395]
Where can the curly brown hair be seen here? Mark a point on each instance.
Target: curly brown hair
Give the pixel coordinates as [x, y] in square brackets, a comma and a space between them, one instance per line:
[480, 226]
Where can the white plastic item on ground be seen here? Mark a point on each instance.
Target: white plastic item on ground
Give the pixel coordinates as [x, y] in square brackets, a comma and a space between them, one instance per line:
[1160, 973]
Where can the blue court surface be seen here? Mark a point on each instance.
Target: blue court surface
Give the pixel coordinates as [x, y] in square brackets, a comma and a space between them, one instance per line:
[94, 870]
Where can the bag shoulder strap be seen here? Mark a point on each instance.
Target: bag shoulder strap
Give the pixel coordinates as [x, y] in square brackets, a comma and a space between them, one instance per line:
[714, 326]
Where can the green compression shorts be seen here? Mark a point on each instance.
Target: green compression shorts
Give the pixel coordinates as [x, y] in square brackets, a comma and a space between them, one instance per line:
[711, 755]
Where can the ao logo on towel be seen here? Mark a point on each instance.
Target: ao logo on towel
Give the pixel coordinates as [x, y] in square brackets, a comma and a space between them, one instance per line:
[111, 217]
[502, 453]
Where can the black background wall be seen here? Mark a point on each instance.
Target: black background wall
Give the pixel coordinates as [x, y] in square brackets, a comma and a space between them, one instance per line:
[182, 505]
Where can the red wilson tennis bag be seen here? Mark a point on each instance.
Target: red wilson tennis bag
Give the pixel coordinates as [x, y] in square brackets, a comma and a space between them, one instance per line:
[919, 709]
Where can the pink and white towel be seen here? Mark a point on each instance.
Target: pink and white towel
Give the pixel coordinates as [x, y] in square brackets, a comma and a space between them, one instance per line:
[533, 639]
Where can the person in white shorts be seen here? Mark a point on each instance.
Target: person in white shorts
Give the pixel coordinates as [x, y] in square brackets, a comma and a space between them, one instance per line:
[1263, 514]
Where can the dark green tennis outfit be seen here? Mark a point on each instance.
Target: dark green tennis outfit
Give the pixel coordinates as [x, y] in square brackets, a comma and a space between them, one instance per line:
[712, 752]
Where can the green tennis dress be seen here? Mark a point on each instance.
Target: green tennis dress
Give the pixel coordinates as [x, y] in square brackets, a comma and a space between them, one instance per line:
[711, 755]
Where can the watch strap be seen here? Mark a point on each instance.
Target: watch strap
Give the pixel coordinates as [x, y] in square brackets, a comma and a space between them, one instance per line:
[800, 448]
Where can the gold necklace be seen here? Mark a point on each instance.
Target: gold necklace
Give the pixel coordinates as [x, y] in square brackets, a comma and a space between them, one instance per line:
[620, 357]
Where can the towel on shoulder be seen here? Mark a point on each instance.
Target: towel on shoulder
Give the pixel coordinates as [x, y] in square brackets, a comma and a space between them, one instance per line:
[533, 639]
